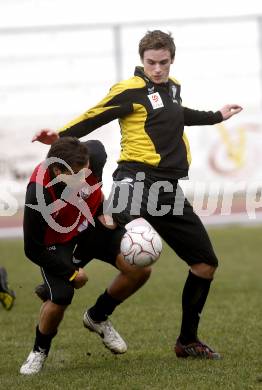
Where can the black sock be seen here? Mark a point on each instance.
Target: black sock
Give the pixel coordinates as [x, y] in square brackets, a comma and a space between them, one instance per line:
[43, 341]
[104, 306]
[193, 299]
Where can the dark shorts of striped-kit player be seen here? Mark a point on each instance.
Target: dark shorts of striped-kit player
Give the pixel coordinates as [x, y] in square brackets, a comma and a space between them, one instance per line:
[96, 242]
[162, 203]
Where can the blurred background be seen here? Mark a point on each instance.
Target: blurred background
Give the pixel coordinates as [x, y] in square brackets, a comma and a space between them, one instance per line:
[59, 58]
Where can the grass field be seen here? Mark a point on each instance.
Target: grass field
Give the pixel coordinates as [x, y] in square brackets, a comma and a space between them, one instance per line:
[149, 321]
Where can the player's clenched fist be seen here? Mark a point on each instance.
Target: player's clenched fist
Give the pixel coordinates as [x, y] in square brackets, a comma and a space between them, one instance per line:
[80, 279]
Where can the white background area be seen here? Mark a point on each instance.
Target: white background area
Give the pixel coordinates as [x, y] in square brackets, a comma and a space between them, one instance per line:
[36, 12]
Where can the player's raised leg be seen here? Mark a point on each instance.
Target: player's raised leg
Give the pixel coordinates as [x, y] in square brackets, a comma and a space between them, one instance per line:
[126, 283]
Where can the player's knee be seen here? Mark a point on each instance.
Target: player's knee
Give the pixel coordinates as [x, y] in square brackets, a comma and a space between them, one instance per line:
[55, 308]
[214, 262]
[131, 271]
[211, 271]
[145, 273]
[204, 270]
[213, 268]
[210, 266]
[140, 274]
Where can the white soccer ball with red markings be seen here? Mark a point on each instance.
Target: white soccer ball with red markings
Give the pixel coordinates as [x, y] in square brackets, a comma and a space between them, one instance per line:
[141, 246]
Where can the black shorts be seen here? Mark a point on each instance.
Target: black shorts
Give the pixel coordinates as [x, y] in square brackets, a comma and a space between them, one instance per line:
[96, 242]
[165, 207]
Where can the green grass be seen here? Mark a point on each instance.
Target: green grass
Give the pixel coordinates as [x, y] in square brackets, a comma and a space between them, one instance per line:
[149, 321]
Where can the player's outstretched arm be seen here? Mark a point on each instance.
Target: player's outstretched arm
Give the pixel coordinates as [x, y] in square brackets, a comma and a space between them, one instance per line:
[46, 136]
[229, 110]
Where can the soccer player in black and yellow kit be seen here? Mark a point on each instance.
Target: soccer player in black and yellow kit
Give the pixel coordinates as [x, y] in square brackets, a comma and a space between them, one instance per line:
[155, 151]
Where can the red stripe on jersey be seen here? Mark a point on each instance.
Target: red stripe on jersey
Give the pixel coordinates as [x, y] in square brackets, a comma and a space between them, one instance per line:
[67, 216]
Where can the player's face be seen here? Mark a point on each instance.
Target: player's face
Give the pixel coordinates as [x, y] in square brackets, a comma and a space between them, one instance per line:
[73, 178]
[157, 65]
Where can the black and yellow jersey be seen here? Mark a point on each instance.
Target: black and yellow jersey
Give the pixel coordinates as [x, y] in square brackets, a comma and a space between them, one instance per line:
[152, 119]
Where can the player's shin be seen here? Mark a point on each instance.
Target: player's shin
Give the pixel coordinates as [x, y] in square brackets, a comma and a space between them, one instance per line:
[194, 296]
[104, 307]
[43, 341]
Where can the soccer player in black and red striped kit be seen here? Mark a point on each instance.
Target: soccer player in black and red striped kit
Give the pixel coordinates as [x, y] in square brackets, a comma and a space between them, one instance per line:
[64, 229]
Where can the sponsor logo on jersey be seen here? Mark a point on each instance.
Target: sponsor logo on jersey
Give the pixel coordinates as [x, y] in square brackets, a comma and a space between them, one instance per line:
[155, 100]
[52, 248]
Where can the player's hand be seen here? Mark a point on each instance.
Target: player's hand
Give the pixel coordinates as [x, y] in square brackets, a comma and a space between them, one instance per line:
[46, 136]
[107, 221]
[80, 279]
[229, 110]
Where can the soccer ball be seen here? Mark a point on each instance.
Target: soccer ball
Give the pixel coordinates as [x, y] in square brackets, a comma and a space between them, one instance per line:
[141, 245]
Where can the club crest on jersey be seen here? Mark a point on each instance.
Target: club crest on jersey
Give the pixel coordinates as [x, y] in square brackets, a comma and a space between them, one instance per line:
[155, 100]
[151, 89]
[84, 193]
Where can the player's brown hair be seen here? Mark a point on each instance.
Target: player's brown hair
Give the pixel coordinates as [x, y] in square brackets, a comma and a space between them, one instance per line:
[71, 151]
[155, 40]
